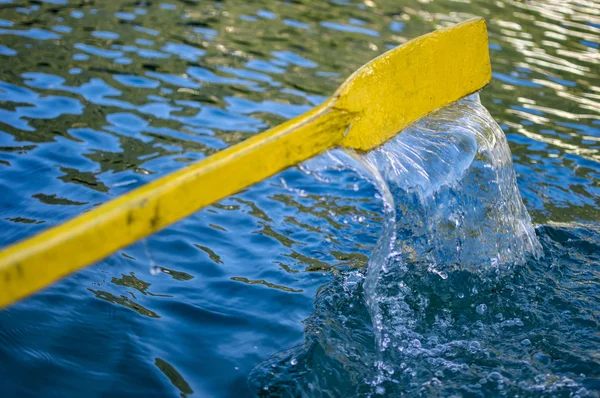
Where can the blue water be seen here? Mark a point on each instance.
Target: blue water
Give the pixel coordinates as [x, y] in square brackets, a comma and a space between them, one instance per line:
[445, 305]
[265, 289]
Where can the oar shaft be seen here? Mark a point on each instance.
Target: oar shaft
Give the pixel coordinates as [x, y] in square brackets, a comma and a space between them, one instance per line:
[35, 263]
[374, 104]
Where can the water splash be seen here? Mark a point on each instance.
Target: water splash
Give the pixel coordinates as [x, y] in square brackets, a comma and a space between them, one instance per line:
[455, 206]
[448, 285]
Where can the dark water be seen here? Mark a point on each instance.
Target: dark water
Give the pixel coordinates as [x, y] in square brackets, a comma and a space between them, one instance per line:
[99, 97]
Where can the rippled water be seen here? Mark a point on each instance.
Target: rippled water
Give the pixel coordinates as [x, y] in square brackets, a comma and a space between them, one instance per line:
[99, 97]
[439, 309]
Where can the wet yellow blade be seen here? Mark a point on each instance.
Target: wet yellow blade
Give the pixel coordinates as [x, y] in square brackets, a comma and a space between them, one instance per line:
[374, 104]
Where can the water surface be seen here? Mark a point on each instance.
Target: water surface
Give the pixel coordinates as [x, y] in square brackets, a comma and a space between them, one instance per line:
[100, 97]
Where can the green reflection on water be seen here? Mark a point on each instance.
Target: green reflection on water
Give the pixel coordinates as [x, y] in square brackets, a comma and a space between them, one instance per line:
[125, 302]
[265, 283]
[174, 376]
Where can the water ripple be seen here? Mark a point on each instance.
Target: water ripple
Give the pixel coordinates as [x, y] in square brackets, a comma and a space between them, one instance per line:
[97, 98]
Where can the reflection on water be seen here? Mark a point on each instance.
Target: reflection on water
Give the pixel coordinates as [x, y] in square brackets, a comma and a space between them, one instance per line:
[125, 302]
[99, 97]
[174, 377]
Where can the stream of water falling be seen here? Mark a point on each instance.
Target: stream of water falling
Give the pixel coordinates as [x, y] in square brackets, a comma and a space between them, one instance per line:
[442, 291]
[452, 205]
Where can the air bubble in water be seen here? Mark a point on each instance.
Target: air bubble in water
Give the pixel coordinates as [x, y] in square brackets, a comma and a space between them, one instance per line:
[526, 342]
[494, 376]
[294, 361]
[481, 308]
[474, 346]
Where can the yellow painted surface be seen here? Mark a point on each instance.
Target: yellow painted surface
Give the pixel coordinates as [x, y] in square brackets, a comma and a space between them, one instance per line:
[412, 80]
[373, 105]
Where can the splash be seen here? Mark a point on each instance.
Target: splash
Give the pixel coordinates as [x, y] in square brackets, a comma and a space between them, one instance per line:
[452, 205]
[442, 293]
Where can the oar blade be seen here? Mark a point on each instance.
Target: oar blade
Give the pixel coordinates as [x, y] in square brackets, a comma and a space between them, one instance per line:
[412, 80]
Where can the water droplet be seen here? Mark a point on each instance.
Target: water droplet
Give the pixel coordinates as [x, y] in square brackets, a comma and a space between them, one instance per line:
[526, 342]
[294, 362]
[436, 382]
[474, 346]
[481, 308]
[494, 262]
[155, 270]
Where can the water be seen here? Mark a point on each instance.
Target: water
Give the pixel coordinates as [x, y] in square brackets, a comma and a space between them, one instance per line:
[267, 288]
[444, 291]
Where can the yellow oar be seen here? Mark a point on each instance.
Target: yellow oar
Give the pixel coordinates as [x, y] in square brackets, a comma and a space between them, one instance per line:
[374, 104]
